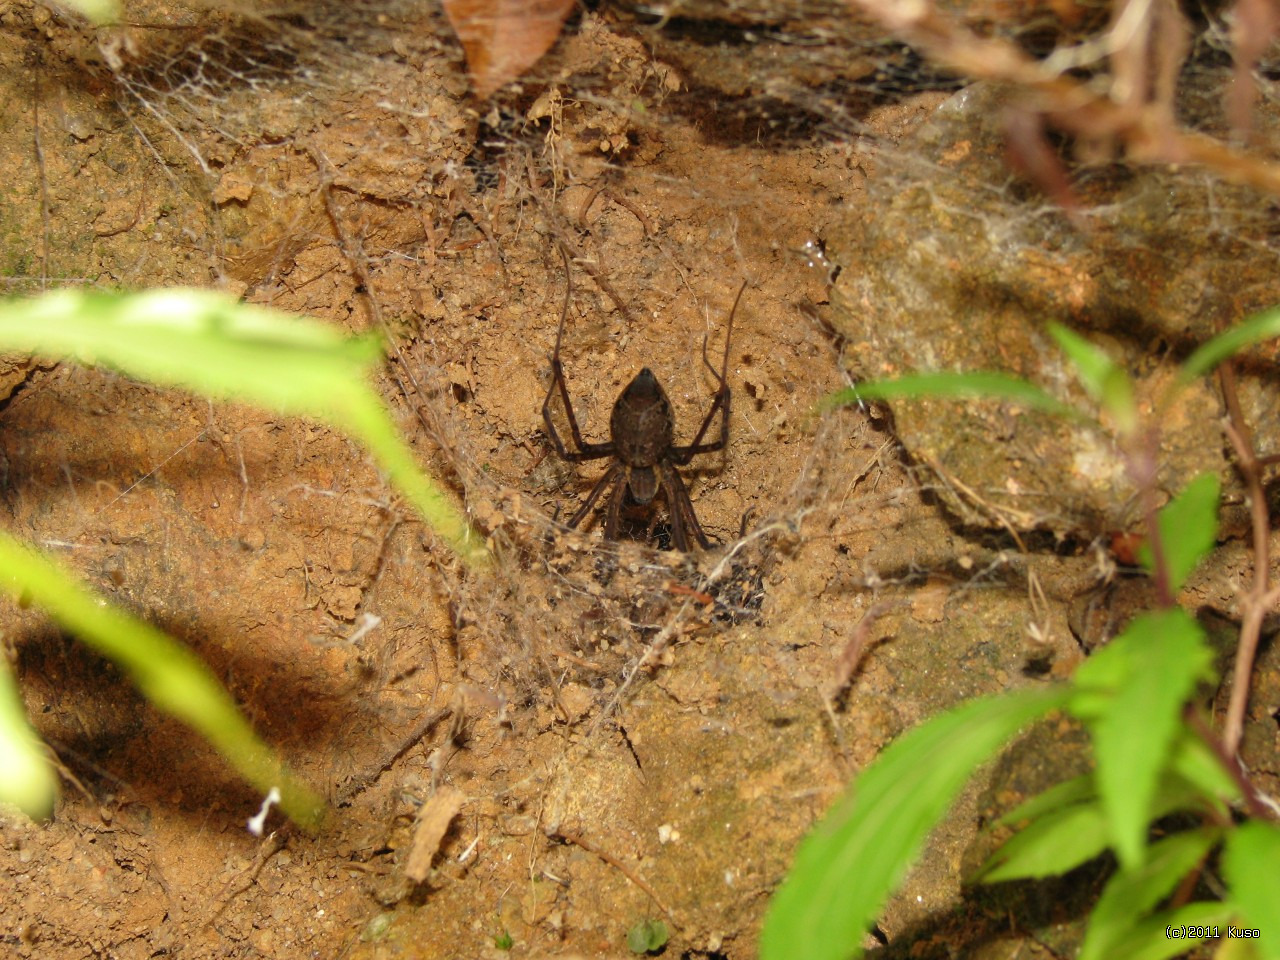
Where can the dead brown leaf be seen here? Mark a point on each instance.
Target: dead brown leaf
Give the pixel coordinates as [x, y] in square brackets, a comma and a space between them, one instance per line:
[503, 38]
[433, 820]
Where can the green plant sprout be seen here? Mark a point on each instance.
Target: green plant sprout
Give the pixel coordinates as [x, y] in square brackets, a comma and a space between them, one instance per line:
[211, 344]
[26, 779]
[1153, 754]
[648, 936]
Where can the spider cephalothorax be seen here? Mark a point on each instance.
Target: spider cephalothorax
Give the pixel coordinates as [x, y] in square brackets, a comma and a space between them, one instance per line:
[642, 443]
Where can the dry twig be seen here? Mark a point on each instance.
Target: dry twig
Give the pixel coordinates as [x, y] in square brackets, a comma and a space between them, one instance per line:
[639, 881]
[1261, 596]
[1136, 111]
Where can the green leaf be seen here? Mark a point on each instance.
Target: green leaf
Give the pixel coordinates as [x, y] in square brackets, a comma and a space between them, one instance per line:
[1149, 939]
[208, 342]
[1254, 329]
[1066, 834]
[1251, 864]
[1101, 377]
[1131, 893]
[1148, 671]
[173, 678]
[1195, 765]
[99, 11]
[1188, 529]
[26, 778]
[978, 383]
[1059, 841]
[1076, 790]
[647, 936]
[856, 856]
[200, 340]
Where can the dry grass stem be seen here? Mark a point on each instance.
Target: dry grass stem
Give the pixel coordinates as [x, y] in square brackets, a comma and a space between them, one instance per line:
[1135, 113]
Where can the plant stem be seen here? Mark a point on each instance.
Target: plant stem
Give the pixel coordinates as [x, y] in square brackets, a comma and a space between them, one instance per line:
[1259, 598]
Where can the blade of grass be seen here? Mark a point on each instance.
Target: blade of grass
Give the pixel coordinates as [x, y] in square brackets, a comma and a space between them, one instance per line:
[209, 343]
[173, 678]
[978, 383]
[1101, 376]
[26, 778]
[1254, 329]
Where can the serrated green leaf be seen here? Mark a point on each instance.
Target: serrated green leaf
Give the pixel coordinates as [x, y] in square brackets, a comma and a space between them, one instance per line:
[1131, 893]
[1098, 679]
[1195, 765]
[1254, 329]
[1069, 807]
[1148, 938]
[852, 860]
[1157, 660]
[1059, 841]
[1251, 864]
[1188, 529]
[1100, 376]
[1076, 790]
[977, 383]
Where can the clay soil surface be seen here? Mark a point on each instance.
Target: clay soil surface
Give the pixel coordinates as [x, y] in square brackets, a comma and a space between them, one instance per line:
[595, 794]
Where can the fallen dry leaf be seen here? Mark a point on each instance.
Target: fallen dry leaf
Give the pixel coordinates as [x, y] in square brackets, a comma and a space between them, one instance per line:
[503, 38]
[433, 820]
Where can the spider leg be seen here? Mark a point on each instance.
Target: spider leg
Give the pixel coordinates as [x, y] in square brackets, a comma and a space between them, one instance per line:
[724, 365]
[582, 450]
[613, 520]
[602, 484]
[682, 455]
[682, 513]
[679, 538]
[720, 404]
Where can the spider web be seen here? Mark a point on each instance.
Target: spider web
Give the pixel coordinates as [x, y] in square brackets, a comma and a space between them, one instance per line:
[891, 207]
[326, 158]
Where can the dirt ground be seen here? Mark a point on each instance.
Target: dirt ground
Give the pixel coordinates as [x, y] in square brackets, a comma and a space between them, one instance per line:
[356, 181]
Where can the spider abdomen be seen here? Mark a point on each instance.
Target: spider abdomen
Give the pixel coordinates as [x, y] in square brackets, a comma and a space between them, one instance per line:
[641, 425]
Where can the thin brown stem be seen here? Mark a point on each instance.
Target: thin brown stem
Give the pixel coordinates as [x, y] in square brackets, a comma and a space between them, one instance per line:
[1142, 468]
[1259, 598]
[1231, 763]
[354, 255]
[639, 881]
[38, 144]
[362, 781]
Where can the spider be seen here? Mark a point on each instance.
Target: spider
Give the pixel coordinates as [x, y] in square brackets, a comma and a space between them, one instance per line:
[641, 442]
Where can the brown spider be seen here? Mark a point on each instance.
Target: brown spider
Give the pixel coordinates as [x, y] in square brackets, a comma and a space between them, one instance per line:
[641, 442]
